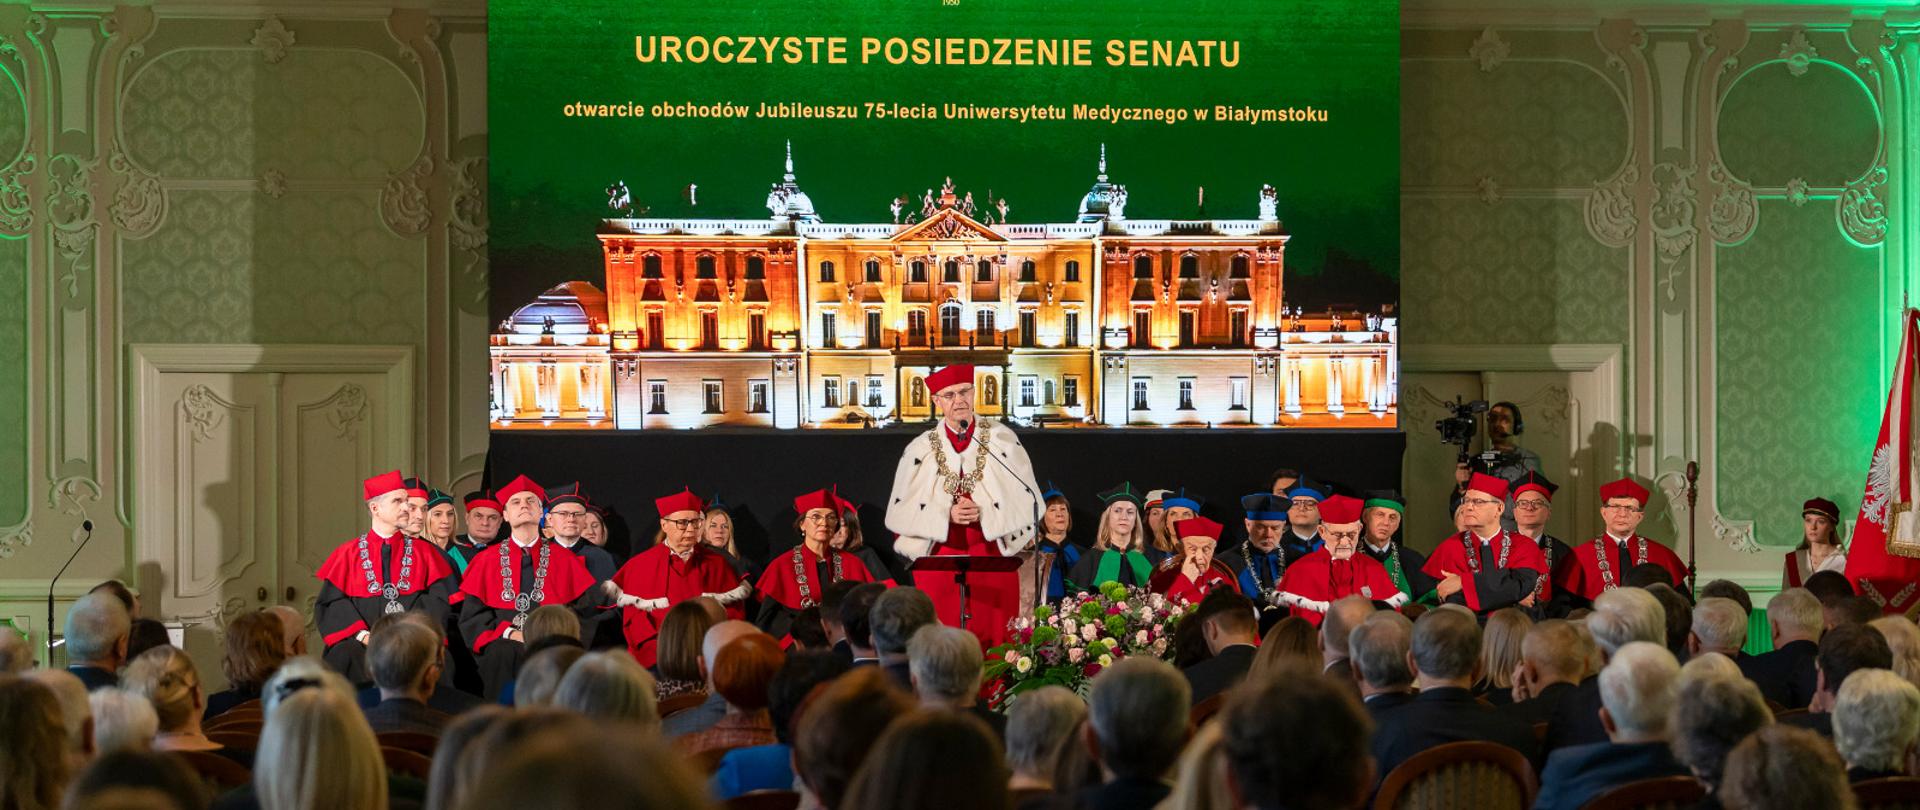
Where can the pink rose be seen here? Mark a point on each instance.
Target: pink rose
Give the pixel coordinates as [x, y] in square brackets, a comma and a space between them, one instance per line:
[1074, 655]
[1012, 656]
[1140, 638]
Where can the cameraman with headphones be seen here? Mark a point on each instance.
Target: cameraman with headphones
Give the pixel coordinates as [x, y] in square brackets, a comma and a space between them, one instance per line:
[1501, 459]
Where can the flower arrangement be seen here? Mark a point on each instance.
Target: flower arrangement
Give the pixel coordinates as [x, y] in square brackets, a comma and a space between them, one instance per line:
[1068, 644]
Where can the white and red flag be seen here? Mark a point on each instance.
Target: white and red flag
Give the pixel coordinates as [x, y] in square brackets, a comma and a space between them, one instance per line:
[1883, 559]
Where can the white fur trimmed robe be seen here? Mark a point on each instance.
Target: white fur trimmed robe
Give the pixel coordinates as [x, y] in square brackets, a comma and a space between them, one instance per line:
[1008, 501]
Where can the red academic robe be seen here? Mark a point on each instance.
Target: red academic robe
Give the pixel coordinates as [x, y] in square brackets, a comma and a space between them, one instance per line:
[657, 573]
[484, 616]
[1321, 578]
[1172, 580]
[347, 604]
[1581, 575]
[779, 586]
[993, 600]
[1492, 586]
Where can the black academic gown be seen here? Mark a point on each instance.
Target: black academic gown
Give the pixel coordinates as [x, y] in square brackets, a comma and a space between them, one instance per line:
[346, 607]
[1411, 562]
[485, 617]
[1088, 569]
[1558, 602]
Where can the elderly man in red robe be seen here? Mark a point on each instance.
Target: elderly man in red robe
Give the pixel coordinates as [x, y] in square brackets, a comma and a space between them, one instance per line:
[1601, 564]
[383, 571]
[678, 568]
[1334, 571]
[1485, 567]
[1195, 573]
[965, 488]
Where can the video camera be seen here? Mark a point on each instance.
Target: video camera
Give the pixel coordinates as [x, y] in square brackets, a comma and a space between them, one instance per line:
[1459, 429]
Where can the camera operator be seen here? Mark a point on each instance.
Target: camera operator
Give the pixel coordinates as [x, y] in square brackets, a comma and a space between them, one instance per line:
[1503, 458]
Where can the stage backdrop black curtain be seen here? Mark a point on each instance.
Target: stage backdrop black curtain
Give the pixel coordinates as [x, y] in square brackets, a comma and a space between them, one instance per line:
[757, 473]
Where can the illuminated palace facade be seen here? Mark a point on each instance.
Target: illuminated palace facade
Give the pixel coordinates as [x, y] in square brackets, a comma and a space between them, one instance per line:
[790, 321]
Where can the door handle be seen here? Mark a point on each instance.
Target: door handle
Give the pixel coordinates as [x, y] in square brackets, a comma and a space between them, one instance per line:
[289, 594]
[261, 594]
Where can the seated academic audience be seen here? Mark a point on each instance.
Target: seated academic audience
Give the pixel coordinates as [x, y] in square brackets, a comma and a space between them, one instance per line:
[1040, 725]
[1679, 615]
[1637, 693]
[1137, 724]
[945, 666]
[932, 759]
[898, 613]
[1785, 768]
[677, 661]
[770, 767]
[1266, 764]
[1719, 626]
[1230, 627]
[293, 629]
[609, 686]
[1786, 675]
[1620, 616]
[625, 769]
[144, 635]
[317, 753]
[445, 698]
[163, 781]
[1711, 715]
[1844, 650]
[34, 767]
[703, 716]
[1876, 723]
[1553, 662]
[1500, 651]
[405, 661]
[839, 727]
[1291, 639]
[1903, 639]
[1728, 589]
[1849, 609]
[255, 648]
[856, 618]
[166, 678]
[122, 721]
[541, 673]
[443, 782]
[742, 673]
[96, 633]
[1342, 616]
[1379, 647]
[1445, 659]
[15, 654]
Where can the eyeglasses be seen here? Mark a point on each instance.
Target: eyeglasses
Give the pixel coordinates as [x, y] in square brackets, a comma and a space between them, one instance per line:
[1621, 507]
[1303, 503]
[957, 393]
[567, 514]
[681, 523]
[1529, 504]
[1479, 502]
[827, 519]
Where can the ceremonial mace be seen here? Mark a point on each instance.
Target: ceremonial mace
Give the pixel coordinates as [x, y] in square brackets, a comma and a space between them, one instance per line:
[1693, 549]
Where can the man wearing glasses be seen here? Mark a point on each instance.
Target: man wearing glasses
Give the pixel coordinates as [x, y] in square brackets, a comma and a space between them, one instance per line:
[1532, 508]
[676, 569]
[1601, 564]
[1485, 567]
[965, 487]
[567, 518]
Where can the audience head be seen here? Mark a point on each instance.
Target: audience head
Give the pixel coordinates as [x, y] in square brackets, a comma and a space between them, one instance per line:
[1903, 640]
[1624, 615]
[550, 620]
[1876, 720]
[443, 783]
[1342, 616]
[1719, 625]
[16, 656]
[502, 737]
[609, 685]
[1824, 585]
[97, 629]
[122, 720]
[1226, 618]
[1266, 765]
[165, 676]
[1847, 649]
[34, 765]
[945, 666]
[678, 645]
[540, 675]
[628, 769]
[1636, 692]
[161, 780]
[856, 614]
[1785, 767]
[1041, 724]
[405, 658]
[1137, 717]
[1446, 648]
[1728, 589]
[1709, 665]
[318, 753]
[933, 759]
[1837, 610]
[897, 615]
[1378, 649]
[839, 726]
[255, 648]
[1678, 613]
[719, 636]
[794, 683]
[807, 630]
[832, 598]
[744, 670]
[1501, 646]
[144, 635]
[76, 714]
[1290, 639]
[1554, 651]
[1647, 575]
[1794, 615]
[293, 629]
[298, 674]
[120, 593]
[1711, 715]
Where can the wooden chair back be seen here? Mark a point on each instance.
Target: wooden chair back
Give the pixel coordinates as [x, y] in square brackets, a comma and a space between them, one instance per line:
[409, 763]
[422, 744]
[231, 717]
[243, 740]
[1893, 793]
[217, 771]
[680, 703]
[1666, 793]
[1481, 775]
[1206, 709]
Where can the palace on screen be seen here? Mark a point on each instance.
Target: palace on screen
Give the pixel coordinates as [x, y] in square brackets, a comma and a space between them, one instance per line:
[791, 321]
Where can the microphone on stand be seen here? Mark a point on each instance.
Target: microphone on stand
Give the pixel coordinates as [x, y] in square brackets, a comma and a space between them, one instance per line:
[1039, 592]
[80, 535]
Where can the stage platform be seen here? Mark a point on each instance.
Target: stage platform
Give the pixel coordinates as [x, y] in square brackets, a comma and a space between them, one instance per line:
[757, 472]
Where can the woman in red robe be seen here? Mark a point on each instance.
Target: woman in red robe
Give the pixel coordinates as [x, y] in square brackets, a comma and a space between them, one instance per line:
[798, 579]
[1194, 573]
[678, 568]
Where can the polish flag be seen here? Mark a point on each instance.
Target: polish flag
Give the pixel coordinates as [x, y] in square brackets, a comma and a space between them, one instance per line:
[1883, 558]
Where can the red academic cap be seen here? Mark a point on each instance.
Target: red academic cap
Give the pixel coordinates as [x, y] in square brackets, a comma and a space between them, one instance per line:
[1623, 488]
[518, 485]
[1535, 482]
[949, 376]
[1340, 510]
[382, 484]
[818, 499]
[1822, 507]
[1197, 527]
[1480, 482]
[481, 499]
[682, 501]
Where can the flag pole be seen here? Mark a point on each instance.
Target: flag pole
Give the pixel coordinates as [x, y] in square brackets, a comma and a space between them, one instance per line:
[1693, 521]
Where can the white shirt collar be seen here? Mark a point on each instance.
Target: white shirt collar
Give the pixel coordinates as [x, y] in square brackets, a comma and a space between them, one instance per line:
[1618, 540]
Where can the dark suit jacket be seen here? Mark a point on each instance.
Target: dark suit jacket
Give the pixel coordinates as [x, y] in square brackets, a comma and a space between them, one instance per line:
[1123, 794]
[1379, 705]
[1785, 676]
[406, 714]
[95, 677]
[1576, 721]
[1539, 708]
[1576, 775]
[1439, 716]
[1817, 722]
[1221, 672]
[901, 674]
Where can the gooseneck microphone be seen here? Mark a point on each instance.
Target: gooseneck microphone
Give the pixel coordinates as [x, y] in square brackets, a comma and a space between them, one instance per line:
[80, 536]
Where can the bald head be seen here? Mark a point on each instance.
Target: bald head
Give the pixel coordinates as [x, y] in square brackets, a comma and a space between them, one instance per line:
[293, 629]
[1342, 616]
[718, 637]
[1556, 651]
